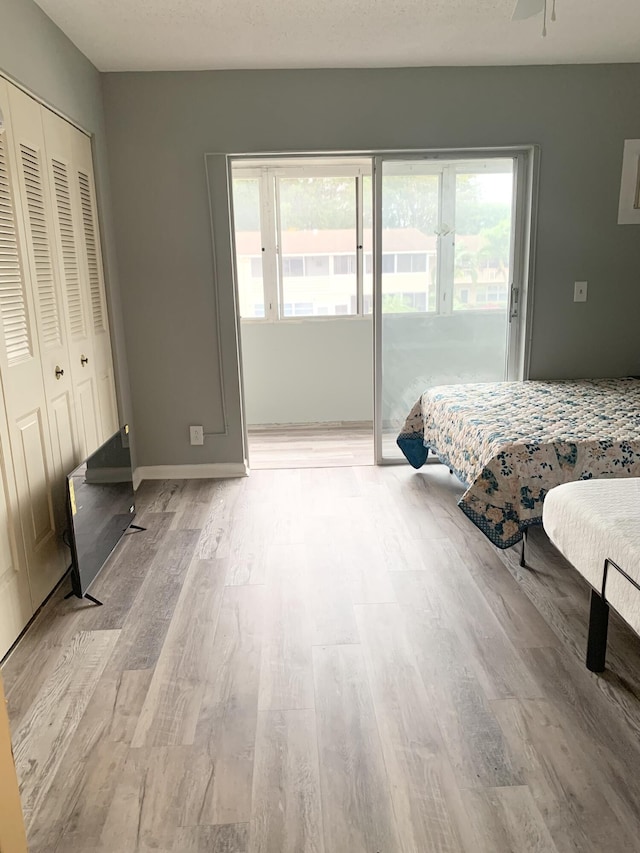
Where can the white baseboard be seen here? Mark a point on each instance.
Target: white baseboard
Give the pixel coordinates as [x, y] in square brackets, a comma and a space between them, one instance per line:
[213, 471]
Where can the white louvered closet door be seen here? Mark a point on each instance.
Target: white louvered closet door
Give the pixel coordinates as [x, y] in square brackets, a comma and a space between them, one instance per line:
[22, 378]
[94, 282]
[37, 211]
[15, 601]
[75, 301]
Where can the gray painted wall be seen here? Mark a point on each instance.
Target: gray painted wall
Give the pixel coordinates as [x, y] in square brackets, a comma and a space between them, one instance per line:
[161, 124]
[37, 55]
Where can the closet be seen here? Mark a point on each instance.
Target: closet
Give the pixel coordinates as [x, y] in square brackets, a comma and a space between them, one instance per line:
[57, 400]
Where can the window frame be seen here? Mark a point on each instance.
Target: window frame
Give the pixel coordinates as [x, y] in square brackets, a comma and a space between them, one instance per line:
[269, 171]
[268, 174]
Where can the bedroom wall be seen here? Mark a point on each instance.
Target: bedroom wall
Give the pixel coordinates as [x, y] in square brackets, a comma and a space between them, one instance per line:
[35, 53]
[161, 124]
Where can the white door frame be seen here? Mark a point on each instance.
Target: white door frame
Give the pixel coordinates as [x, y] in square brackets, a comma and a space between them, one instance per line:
[526, 176]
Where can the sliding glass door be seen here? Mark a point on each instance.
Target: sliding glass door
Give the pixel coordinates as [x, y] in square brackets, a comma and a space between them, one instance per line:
[448, 265]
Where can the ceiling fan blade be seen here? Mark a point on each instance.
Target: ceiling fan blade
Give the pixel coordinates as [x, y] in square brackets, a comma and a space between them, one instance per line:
[527, 9]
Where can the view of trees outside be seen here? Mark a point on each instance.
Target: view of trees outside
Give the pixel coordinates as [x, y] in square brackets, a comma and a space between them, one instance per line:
[318, 226]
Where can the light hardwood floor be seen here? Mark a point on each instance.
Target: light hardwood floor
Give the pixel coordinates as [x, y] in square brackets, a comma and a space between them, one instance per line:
[324, 661]
[319, 446]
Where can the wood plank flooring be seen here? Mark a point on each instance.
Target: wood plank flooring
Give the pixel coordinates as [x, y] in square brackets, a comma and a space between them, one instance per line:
[315, 446]
[324, 660]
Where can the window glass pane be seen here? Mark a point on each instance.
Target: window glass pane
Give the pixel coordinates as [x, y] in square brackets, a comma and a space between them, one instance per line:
[367, 244]
[246, 210]
[483, 239]
[410, 207]
[317, 221]
[464, 337]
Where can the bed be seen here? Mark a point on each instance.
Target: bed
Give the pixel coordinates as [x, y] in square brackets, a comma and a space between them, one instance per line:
[596, 525]
[511, 442]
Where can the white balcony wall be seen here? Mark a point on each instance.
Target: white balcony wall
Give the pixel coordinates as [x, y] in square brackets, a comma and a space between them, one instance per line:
[308, 371]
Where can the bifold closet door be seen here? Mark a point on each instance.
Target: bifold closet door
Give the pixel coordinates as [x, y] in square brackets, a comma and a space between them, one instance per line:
[92, 257]
[15, 600]
[38, 213]
[73, 275]
[20, 367]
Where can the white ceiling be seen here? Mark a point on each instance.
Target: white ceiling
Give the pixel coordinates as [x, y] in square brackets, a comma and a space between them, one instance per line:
[152, 35]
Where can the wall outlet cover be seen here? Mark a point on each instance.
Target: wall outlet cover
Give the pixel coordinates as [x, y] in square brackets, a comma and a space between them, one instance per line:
[196, 434]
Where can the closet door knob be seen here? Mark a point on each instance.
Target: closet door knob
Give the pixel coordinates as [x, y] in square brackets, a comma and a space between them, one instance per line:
[59, 372]
[83, 360]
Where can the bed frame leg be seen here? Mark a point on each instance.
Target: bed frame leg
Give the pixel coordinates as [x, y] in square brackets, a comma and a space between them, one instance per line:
[597, 639]
[523, 561]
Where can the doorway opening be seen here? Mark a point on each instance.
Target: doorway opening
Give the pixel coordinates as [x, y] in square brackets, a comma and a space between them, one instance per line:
[305, 296]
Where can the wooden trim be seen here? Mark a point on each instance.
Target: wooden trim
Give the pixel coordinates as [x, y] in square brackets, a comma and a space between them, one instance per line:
[212, 471]
[12, 834]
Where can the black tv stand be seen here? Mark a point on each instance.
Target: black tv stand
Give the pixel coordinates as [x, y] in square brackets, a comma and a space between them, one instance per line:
[87, 596]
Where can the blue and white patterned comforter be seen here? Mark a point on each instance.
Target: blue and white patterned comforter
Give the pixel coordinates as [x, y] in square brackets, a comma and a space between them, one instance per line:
[510, 442]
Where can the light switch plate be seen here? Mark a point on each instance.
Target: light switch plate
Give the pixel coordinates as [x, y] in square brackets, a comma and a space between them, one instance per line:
[580, 291]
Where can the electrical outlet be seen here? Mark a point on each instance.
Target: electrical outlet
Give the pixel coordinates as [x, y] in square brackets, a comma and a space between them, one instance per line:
[580, 291]
[196, 434]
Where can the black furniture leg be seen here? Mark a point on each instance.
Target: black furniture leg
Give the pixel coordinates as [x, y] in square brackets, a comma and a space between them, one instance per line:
[597, 639]
[523, 561]
[86, 595]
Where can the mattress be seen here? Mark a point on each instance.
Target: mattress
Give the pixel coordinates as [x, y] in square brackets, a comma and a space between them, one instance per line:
[593, 520]
[511, 442]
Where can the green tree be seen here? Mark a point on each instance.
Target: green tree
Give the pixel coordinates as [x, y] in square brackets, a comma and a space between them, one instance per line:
[410, 201]
[496, 244]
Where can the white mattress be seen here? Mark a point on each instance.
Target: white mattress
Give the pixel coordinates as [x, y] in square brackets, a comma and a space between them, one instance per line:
[591, 520]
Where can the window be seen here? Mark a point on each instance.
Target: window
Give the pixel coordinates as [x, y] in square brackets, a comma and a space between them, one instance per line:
[247, 197]
[411, 262]
[497, 294]
[299, 226]
[344, 264]
[293, 267]
[388, 263]
[316, 265]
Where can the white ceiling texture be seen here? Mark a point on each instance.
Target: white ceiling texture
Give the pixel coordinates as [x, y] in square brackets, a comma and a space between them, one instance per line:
[153, 35]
